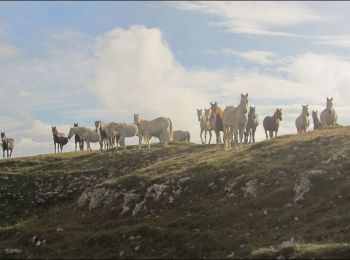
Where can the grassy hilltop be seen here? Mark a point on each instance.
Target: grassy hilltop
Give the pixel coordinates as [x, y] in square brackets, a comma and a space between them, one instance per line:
[288, 197]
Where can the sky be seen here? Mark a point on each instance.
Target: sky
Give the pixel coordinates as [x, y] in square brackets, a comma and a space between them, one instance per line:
[66, 62]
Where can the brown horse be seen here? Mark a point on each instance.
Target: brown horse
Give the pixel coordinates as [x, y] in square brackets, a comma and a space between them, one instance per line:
[271, 123]
[7, 144]
[59, 139]
[218, 115]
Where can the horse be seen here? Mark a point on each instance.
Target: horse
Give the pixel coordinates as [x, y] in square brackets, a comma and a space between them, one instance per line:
[101, 126]
[181, 136]
[271, 123]
[235, 122]
[316, 120]
[218, 114]
[7, 145]
[302, 122]
[328, 116]
[58, 138]
[160, 127]
[87, 134]
[252, 124]
[205, 123]
[124, 130]
[210, 121]
[78, 140]
[112, 137]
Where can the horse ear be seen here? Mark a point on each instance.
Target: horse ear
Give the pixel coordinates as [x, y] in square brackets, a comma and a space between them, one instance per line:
[216, 103]
[241, 95]
[331, 99]
[246, 95]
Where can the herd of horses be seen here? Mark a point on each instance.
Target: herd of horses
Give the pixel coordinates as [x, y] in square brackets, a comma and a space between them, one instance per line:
[236, 123]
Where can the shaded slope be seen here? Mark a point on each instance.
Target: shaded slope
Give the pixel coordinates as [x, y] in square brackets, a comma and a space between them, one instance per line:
[279, 197]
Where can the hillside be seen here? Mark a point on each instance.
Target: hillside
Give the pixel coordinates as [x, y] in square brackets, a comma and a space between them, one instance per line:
[282, 198]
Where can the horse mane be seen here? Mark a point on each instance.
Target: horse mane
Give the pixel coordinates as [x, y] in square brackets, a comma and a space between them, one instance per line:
[219, 111]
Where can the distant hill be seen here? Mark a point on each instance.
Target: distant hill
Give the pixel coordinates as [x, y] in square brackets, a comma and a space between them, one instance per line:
[284, 198]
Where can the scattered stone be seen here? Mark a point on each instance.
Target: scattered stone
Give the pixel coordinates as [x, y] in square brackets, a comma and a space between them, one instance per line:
[231, 254]
[250, 188]
[10, 251]
[59, 229]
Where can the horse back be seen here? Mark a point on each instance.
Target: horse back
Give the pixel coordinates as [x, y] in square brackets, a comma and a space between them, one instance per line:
[268, 123]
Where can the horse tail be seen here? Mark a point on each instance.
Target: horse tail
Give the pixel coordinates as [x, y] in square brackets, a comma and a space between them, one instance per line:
[170, 130]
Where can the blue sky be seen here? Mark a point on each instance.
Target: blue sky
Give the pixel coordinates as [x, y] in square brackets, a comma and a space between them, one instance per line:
[62, 62]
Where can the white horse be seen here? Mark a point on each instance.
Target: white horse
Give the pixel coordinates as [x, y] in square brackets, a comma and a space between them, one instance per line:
[160, 127]
[206, 123]
[328, 116]
[181, 136]
[101, 127]
[124, 130]
[302, 122]
[87, 134]
[235, 122]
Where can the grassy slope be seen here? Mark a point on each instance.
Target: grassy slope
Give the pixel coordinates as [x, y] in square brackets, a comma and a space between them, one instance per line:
[215, 204]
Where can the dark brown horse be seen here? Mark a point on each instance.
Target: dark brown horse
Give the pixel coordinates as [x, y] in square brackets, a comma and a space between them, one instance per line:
[219, 126]
[78, 140]
[271, 123]
[317, 122]
[59, 139]
[7, 144]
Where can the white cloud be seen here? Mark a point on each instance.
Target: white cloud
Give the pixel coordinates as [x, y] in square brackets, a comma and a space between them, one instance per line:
[260, 57]
[260, 18]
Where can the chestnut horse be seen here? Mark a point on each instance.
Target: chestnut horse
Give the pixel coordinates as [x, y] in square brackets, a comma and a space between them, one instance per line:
[218, 115]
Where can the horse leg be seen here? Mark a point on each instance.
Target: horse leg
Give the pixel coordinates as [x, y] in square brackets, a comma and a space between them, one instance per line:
[201, 135]
[253, 134]
[267, 138]
[11, 153]
[271, 134]
[140, 141]
[276, 133]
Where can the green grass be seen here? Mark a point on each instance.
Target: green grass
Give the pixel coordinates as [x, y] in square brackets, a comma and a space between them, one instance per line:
[207, 208]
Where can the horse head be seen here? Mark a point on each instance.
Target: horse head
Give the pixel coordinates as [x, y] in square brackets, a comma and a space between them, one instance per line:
[97, 125]
[137, 119]
[305, 110]
[199, 114]
[213, 107]
[329, 103]
[2, 135]
[252, 112]
[76, 125]
[244, 103]
[207, 113]
[278, 114]
[71, 132]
